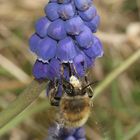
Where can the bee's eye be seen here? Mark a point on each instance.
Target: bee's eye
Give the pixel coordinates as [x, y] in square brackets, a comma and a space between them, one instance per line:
[68, 89]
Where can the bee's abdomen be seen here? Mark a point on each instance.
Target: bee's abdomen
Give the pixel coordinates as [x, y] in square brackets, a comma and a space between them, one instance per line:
[75, 112]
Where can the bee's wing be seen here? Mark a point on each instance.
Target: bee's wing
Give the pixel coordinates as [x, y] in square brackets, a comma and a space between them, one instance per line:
[94, 128]
[43, 121]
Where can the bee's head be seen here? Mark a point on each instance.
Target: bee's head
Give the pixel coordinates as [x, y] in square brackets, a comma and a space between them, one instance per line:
[73, 87]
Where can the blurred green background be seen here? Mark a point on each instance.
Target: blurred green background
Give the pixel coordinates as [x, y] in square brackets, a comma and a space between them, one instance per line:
[116, 112]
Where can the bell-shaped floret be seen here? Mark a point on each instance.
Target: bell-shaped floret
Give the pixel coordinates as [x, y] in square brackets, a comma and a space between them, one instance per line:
[40, 70]
[34, 42]
[94, 23]
[41, 26]
[51, 11]
[54, 71]
[96, 50]
[66, 11]
[83, 4]
[85, 38]
[80, 64]
[56, 30]
[89, 14]
[47, 48]
[66, 50]
[74, 25]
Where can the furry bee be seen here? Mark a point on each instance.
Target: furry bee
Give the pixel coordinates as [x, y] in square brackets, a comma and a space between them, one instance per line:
[75, 104]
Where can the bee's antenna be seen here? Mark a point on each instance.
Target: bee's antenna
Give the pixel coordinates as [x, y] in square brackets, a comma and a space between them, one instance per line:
[92, 83]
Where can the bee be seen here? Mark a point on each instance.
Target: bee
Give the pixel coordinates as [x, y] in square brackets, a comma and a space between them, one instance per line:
[75, 104]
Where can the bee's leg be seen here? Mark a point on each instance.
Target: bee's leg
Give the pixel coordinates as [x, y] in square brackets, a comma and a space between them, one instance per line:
[86, 79]
[54, 100]
[90, 90]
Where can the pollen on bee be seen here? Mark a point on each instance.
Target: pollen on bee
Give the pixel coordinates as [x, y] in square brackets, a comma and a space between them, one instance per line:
[75, 82]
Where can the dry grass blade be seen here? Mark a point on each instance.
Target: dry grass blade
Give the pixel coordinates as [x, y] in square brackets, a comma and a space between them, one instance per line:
[14, 70]
[22, 102]
[10, 85]
[12, 39]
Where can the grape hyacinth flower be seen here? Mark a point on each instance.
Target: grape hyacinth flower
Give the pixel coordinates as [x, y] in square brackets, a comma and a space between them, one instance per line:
[55, 133]
[63, 38]
[65, 45]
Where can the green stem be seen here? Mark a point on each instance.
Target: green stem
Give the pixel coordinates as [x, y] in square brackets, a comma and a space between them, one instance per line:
[24, 115]
[115, 73]
[130, 134]
[24, 100]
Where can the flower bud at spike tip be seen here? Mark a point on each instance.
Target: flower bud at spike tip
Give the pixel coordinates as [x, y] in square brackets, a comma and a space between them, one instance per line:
[56, 30]
[89, 14]
[51, 11]
[47, 48]
[66, 11]
[83, 4]
[41, 26]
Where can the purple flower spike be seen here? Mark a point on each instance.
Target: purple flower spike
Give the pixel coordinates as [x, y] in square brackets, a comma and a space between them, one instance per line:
[34, 42]
[70, 138]
[80, 133]
[96, 50]
[66, 50]
[40, 70]
[41, 26]
[54, 69]
[66, 11]
[74, 25]
[94, 23]
[47, 48]
[80, 64]
[51, 11]
[84, 39]
[89, 14]
[83, 4]
[56, 30]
